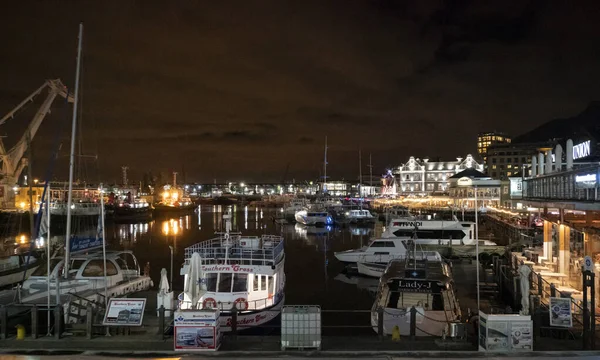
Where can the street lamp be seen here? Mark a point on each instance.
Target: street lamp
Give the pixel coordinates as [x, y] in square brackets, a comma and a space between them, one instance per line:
[477, 248]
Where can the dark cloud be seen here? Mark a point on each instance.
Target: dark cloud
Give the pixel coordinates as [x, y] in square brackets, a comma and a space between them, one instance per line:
[168, 83]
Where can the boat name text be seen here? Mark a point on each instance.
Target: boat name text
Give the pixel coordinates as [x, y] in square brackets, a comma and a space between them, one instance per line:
[233, 268]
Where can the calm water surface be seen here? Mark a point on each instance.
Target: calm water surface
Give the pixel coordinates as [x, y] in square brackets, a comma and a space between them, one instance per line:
[312, 271]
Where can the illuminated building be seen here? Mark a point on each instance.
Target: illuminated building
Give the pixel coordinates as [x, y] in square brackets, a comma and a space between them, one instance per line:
[424, 177]
[485, 140]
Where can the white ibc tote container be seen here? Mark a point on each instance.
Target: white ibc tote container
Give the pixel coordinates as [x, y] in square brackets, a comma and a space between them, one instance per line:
[301, 327]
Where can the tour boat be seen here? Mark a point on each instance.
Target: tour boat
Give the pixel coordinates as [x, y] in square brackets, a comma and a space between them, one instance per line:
[425, 285]
[85, 283]
[234, 270]
[380, 251]
[134, 211]
[314, 218]
[435, 232]
[13, 266]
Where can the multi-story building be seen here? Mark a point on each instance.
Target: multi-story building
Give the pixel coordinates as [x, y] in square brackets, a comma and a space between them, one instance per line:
[424, 177]
[506, 160]
[488, 139]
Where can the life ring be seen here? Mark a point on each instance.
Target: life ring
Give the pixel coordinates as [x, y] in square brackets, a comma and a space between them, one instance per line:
[209, 303]
[241, 304]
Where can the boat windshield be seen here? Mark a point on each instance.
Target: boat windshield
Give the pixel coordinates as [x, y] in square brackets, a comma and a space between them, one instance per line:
[42, 269]
[226, 282]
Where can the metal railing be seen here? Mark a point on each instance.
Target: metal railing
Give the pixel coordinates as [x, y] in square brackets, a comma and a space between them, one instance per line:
[268, 250]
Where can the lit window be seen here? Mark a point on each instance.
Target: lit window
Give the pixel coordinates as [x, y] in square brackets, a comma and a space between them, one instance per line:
[509, 173]
[494, 167]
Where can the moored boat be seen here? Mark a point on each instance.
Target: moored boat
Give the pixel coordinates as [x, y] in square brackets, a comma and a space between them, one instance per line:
[234, 270]
[425, 285]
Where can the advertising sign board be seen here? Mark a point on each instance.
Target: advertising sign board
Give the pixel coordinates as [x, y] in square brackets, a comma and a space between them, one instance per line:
[124, 312]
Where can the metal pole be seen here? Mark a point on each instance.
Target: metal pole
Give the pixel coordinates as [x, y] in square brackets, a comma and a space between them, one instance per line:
[477, 248]
[48, 269]
[104, 252]
[72, 155]
[171, 273]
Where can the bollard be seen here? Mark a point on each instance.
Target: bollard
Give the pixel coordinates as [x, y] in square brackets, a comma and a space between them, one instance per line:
[3, 322]
[234, 322]
[413, 323]
[34, 322]
[58, 322]
[380, 323]
[540, 285]
[89, 317]
[161, 321]
[20, 332]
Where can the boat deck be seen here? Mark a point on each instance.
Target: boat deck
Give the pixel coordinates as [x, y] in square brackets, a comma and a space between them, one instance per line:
[266, 250]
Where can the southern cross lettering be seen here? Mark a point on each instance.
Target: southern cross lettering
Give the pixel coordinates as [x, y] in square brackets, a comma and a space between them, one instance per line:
[233, 268]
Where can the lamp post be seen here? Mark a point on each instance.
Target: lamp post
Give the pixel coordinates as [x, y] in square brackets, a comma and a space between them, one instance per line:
[171, 272]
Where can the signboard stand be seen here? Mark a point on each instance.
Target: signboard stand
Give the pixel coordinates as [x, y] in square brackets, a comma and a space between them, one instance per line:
[124, 312]
[505, 333]
[197, 330]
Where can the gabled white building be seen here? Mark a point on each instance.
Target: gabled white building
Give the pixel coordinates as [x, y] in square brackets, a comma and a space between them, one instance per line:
[424, 177]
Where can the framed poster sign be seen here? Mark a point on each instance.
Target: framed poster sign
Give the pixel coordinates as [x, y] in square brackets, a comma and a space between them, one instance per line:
[124, 312]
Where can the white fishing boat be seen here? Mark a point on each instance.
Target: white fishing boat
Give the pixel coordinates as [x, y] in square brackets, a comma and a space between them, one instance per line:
[359, 216]
[425, 285]
[435, 232]
[295, 205]
[234, 270]
[314, 218]
[381, 251]
[12, 268]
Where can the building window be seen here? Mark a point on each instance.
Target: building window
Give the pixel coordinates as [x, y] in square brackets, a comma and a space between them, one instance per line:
[509, 173]
[494, 167]
[494, 174]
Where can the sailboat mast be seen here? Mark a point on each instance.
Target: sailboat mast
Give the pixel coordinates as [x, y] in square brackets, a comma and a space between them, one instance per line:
[360, 175]
[325, 169]
[370, 171]
[48, 269]
[72, 155]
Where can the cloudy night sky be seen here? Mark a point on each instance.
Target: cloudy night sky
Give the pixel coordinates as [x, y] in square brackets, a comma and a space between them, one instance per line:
[237, 90]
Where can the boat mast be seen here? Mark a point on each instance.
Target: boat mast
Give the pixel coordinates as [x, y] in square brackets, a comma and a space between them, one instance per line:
[48, 269]
[360, 177]
[72, 155]
[325, 169]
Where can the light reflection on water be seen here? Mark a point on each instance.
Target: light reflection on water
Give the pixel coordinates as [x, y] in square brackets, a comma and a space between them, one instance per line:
[311, 267]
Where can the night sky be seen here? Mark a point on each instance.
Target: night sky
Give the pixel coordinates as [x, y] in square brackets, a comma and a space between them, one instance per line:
[237, 90]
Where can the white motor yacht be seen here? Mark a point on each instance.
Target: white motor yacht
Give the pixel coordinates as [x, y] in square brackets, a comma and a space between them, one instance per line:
[381, 251]
[435, 232]
[85, 282]
[314, 218]
[12, 268]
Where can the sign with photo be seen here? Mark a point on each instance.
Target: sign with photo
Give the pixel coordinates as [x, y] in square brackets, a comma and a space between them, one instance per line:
[124, 312]
[196, 330]
[560, 312]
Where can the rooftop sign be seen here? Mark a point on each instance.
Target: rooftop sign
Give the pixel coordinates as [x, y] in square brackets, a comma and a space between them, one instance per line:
[581, 150]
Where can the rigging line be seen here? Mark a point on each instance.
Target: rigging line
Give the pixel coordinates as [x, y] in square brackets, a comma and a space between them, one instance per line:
[49, 172]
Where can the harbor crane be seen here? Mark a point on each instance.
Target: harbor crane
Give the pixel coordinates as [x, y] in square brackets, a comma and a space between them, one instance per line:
[13, 161]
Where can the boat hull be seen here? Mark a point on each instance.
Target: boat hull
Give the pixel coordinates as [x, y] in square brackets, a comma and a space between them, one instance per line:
[429, 323]
[371, 269]
[250, 319]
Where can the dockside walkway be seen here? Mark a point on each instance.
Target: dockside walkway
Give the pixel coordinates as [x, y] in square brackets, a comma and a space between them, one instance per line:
[151, 346]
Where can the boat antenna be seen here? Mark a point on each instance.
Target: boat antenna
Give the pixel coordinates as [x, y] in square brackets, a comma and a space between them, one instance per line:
[72, 154]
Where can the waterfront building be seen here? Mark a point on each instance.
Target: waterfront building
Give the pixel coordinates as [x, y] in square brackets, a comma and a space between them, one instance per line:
[466, 183]
[423, 177]
[505, 160]
[489, 139]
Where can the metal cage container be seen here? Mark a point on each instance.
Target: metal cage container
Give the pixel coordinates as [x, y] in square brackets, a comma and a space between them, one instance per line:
[301, 327]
